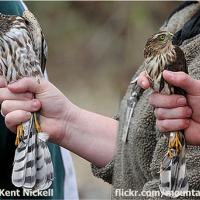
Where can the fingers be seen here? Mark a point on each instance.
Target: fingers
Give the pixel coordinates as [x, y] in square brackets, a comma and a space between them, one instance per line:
[173, 113]
[172, 125]
[184, 81]
[167, 101]
[12, 105]
[27, 84]
[192, 135]
[16, 117]
[143, 81]
[6, 94]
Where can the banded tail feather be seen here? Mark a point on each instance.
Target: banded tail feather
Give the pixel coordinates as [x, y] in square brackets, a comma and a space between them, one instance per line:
[20, 160]
[160, 54]
[173, 174]
[33, 168]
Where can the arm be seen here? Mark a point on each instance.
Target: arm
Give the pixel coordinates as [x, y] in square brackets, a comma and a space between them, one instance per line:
[89, 135]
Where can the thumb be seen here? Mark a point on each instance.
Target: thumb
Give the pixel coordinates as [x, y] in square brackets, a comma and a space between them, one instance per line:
[183, 80]
[27, 84]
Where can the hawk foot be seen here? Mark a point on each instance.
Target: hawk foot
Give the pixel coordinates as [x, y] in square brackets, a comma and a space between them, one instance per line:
[20, 133]
[37, 125]
[170, 153]
[174, 144]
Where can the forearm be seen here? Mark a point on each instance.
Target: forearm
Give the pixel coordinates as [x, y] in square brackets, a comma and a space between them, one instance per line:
[91, 136]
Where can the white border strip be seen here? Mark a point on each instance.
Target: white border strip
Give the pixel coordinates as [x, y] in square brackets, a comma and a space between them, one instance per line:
[70, 185]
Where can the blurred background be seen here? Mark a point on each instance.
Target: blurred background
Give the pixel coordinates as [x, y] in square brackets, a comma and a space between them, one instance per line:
[94, 50]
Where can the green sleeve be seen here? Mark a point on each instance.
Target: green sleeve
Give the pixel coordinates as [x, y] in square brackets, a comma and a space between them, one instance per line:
[11, 7]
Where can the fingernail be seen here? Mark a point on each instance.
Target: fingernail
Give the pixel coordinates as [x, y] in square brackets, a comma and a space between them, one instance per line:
[29, 96]
[169, 73]
[143, 83]
[181, 101]
[35, 102]
[28, 114]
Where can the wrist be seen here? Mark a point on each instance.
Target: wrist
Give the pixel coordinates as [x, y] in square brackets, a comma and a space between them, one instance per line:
[69, 122]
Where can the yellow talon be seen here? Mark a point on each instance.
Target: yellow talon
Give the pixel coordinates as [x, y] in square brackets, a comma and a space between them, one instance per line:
[178, 145]
[169, 153]
[20, 133]
[20, 130]
[174, 144]
[37, 125]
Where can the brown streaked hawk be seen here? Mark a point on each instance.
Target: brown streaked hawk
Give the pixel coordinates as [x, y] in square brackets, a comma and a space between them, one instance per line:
[160, 54]
[23, 53]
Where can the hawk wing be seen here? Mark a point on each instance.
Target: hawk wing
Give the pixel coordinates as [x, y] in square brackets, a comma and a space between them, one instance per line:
[40, 45]
[177, 65]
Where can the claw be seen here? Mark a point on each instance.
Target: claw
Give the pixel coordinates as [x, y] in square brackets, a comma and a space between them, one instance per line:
[174, 144]
[178, 145]
[37, 125]
[169, 153]
[20, 133]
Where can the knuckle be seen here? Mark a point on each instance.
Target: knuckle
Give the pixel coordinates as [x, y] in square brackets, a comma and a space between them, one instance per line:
[171, 101]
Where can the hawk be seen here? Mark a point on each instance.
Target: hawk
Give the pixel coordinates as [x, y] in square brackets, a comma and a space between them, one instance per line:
[160, 54]
[23, 53]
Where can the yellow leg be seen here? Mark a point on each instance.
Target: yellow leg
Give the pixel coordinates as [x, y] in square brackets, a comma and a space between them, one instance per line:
[20, 133]
[37, 125]
[169, 151]
[175, 144]
[178, 145]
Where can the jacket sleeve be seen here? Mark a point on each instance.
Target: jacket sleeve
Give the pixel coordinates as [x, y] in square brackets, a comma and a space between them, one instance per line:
[12, 8]
[105, 172]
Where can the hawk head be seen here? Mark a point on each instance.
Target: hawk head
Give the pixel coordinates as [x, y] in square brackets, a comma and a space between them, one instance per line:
[158, 43]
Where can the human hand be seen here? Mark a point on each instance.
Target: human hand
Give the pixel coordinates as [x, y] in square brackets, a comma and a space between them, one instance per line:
[18, 102]
[143, 81]
[171, 111]
[175, 112]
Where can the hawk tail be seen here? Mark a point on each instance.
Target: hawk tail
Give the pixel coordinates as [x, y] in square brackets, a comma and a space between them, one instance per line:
[173, 178]
[32, 168]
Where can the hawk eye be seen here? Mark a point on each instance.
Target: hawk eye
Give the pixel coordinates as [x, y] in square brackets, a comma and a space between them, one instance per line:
[162, 37]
